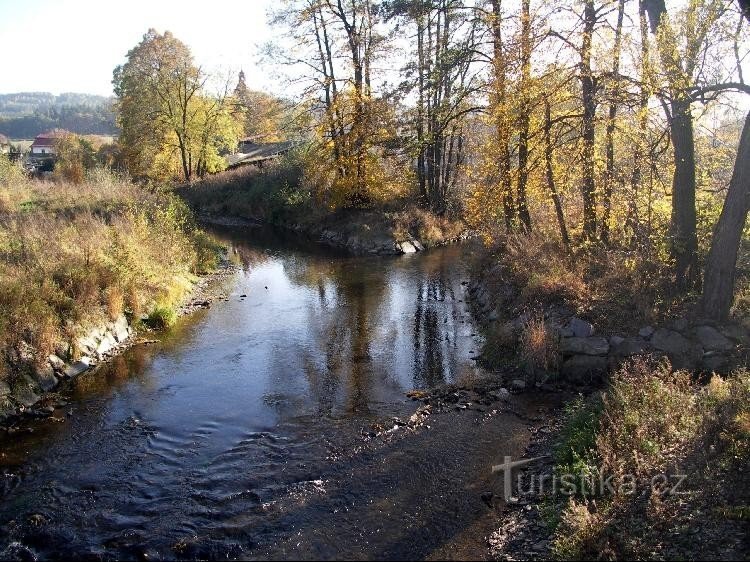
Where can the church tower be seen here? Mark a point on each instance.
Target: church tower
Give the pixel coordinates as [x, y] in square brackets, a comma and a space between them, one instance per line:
[240, 92]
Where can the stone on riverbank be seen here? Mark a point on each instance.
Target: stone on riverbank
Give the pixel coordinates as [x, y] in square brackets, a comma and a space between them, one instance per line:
[683, 353]
[712, 340]
[584, 346]
[584, 369]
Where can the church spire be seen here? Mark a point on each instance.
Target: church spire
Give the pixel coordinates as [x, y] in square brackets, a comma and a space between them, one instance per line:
[240, 91]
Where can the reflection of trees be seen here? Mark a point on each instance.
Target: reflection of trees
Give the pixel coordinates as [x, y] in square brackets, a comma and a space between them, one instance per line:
[347, 354]
[247, 255]
[349, 297]
[435, 322]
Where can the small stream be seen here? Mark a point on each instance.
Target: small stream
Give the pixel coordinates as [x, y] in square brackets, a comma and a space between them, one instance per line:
[243, 432]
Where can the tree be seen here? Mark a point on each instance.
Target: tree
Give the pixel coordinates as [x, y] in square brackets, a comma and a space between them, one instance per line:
[718, 287]
[168, 122]
[74, 156]
[679, 69]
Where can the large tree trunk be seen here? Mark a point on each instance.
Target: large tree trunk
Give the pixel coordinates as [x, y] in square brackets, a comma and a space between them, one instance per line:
[718, 287]
[684, 236]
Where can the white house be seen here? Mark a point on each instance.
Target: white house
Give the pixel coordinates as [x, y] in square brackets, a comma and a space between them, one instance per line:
[45, 144]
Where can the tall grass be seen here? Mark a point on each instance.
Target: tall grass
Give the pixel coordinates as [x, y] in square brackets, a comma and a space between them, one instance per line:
[74, 256]
[652, 425]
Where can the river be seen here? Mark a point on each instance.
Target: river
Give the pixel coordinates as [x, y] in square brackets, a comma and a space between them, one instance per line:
[256, 428]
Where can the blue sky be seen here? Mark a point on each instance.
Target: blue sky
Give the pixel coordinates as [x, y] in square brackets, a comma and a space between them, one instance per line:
[73, 45]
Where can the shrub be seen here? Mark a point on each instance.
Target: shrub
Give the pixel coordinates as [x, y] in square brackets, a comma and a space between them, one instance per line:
[651, 423]
[161, 317]
[540, 348]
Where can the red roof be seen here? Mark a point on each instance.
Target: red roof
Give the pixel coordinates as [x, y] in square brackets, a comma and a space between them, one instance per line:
[49, 138]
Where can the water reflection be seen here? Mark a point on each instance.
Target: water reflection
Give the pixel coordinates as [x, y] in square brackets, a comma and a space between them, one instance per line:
[375, 327]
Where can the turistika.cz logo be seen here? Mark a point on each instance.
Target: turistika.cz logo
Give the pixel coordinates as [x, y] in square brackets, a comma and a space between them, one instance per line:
[570, 484]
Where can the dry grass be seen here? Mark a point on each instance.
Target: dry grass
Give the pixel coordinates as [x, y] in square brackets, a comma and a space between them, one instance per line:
[76, 255]
[540, 347]
[621, 290]
[652, 425]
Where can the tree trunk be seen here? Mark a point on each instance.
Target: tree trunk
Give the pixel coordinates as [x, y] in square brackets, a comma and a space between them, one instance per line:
[718, 287]
[609, 177]
[503, 132]
[683, 228]
[523, 118]
[588, 93]
[551, 176]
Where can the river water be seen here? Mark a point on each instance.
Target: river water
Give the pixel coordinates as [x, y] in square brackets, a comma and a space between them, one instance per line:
[246, 431]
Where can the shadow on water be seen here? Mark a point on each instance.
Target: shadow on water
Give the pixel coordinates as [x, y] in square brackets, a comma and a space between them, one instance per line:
[239, 434]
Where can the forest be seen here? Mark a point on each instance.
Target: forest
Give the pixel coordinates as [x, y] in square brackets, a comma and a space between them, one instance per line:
[25, 115]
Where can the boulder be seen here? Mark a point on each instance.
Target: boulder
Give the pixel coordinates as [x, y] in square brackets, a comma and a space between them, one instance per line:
[712, 340]
[631, 346]
[45, 378]
[583, 369]
[106, 344]
[501, 394]
[120, 328]
[517, 385]
[584, 346]
[418, 245]
[715, 363]
[77, 368]
[646, 332]
[736, 333]
[581, 328]
[406, 247]
[683, 353]
[614, 341]
[89, 342]
[56, 363]
[24, 392]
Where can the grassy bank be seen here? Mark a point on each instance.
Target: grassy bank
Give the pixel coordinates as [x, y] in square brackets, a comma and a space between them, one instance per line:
[617, 289]
[677, 454]
[75, 256]
[278, 194]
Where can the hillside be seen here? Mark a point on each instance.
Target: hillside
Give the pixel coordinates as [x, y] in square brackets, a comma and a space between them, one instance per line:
[24, 115]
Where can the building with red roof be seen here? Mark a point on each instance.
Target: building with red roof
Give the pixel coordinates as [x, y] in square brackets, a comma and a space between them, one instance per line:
[45, 144]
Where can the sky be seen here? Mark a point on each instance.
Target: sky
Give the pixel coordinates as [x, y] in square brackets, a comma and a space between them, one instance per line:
[73, 45]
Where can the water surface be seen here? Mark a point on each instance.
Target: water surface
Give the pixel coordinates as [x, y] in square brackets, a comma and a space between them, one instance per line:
[240, 434]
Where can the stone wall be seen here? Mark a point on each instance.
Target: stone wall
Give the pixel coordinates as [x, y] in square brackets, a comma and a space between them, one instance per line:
[586, 356]
[25, 390]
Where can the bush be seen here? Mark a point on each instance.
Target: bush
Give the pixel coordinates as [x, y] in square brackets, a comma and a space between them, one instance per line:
[161, 317]
[540, 347]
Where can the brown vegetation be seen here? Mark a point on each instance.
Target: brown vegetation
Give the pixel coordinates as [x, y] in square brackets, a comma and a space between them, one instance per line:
[652, 426]
[73, 256]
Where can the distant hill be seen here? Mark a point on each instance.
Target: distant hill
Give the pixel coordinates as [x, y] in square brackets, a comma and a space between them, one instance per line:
[24, 115]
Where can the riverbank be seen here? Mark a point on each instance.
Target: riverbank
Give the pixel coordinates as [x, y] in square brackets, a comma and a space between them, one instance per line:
[274, 195]
[658, 386]
[84, 267]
